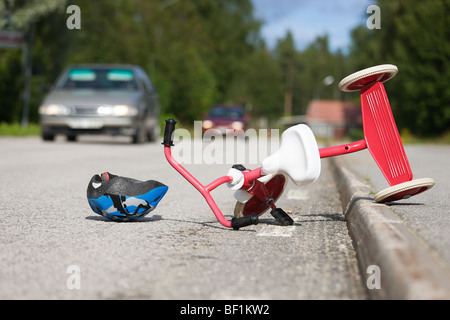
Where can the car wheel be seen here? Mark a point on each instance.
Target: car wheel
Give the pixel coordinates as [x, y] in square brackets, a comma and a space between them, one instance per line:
[153, 133]
[140, 136]
[71, 138]
[48, 136]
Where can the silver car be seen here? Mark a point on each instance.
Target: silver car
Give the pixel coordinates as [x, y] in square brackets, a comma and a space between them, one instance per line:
[101, 99]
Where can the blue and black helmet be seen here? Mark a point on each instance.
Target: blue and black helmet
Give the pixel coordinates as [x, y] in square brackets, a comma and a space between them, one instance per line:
[123, 199]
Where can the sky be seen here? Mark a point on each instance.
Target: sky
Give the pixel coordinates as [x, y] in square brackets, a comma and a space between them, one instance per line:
[308, 19]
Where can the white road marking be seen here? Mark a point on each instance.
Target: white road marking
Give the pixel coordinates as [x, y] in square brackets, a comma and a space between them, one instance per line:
[273, 230]
[276, 231]
[297, 194]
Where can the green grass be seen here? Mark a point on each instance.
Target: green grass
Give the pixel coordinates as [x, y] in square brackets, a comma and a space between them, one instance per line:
[16, 130]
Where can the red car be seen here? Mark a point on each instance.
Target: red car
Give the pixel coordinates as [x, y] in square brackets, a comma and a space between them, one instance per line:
[224, 117]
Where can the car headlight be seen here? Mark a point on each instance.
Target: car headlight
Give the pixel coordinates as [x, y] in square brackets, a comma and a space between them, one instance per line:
[117, 110]
[54, 110]
[124, 110]
[237, 125]
[207, 124]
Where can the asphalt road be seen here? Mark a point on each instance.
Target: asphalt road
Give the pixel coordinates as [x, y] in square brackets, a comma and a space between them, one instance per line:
[52, 246]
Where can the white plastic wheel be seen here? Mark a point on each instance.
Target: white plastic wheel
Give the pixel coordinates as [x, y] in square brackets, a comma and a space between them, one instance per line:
[404, 190]
[360, 79]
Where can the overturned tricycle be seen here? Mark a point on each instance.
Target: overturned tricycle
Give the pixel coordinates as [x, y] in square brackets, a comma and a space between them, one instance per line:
[298, 157]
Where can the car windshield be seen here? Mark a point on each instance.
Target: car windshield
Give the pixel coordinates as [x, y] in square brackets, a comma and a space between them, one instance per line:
[98, 79]
[226, 113]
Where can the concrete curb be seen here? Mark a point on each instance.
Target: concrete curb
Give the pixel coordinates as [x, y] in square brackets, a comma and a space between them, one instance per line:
[408, 269]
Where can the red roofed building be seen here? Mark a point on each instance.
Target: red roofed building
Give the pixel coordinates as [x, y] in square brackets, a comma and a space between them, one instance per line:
[332, 118]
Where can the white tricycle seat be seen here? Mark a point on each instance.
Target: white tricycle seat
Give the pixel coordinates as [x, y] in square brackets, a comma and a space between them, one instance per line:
[298, 156]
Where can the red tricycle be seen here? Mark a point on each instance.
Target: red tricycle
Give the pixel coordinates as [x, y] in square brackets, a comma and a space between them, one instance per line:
[298, 157]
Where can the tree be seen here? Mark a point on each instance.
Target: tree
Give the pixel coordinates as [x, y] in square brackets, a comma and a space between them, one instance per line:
[193, 50]
[259, 86]
[22, 12]
[414, 36]
[287, 57]
[21, 16]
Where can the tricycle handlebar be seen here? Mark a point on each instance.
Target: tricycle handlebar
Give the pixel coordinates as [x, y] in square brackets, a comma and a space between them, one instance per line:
[168, 132]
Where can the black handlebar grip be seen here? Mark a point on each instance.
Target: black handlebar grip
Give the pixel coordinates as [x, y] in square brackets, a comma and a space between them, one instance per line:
[237, 223]
[168, 131]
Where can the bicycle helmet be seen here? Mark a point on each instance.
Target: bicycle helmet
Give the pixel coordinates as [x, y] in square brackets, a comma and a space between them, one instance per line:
[123, 199]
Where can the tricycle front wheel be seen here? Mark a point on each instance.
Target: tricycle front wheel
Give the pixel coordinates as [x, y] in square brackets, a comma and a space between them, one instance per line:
[274, 187]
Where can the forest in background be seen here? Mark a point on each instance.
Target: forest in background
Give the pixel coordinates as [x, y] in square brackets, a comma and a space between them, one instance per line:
[204, 52]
